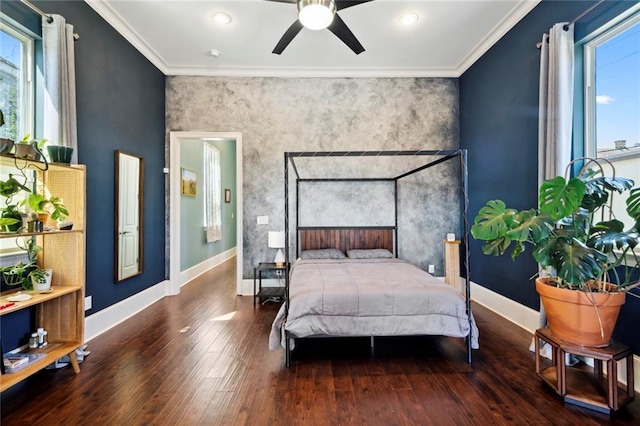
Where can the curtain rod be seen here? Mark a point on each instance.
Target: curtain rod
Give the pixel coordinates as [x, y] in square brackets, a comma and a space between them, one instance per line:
[36, 10]
[576, 19]
[46, 16]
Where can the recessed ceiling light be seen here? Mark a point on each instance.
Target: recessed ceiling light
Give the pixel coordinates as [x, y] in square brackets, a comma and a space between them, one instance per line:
[215, 53]
[221, 18]
[409, 18]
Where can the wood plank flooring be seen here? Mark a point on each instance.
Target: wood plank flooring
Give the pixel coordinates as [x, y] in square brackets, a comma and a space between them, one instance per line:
[201, 358]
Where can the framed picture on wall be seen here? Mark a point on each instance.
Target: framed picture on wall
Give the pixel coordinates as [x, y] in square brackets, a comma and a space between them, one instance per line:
[227, 195]
[189, 182]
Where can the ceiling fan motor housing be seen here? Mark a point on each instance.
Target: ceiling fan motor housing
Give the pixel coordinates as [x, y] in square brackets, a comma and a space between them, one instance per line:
[316, 14]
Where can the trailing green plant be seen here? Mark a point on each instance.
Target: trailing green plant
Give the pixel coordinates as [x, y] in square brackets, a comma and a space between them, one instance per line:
[18, 274]
[30, 246]
[10, 217]
[573, 233]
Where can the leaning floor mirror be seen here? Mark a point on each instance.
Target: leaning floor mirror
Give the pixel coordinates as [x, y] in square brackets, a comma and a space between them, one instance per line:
[129, 202]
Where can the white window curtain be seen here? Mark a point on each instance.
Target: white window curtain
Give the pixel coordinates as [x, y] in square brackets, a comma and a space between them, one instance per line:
[555, 121]
[60, 126]
[212, 194]
[556, 101]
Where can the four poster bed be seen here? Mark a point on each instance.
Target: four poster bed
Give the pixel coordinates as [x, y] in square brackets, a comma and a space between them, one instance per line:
[348, 281]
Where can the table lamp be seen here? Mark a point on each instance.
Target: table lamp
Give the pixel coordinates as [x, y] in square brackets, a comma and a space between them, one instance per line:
[276, 240]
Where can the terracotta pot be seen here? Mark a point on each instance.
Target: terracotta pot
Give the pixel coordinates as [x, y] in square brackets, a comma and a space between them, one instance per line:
[26, 151]
[43, 217]
[573, 315]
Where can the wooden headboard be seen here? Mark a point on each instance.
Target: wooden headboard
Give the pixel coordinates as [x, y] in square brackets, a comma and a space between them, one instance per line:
[346, 238]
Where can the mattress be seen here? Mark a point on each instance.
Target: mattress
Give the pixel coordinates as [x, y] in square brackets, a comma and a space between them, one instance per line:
[369, 297]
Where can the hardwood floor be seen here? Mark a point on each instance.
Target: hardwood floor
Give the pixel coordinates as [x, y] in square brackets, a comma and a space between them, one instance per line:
[201, 358]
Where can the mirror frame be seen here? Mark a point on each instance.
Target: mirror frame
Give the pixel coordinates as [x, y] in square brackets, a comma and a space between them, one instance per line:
[116, 259]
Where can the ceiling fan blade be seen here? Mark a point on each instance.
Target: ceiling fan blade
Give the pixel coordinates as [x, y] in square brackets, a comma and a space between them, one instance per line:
[340, 29]
[343, 4]
[293, 31]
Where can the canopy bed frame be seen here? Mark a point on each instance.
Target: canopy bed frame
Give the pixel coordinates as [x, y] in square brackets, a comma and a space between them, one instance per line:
[345, 238]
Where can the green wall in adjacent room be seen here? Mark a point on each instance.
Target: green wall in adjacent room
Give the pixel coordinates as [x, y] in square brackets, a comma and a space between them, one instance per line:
[193, 245]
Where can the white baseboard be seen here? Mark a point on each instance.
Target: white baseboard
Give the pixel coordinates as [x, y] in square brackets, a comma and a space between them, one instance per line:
[101, 321]
[201, 268]
[109, 317]
[528, 319]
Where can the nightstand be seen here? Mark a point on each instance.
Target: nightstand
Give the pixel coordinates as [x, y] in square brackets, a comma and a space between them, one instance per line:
[267, 292]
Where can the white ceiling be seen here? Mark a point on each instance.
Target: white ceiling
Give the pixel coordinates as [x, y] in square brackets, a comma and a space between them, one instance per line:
[177, 36]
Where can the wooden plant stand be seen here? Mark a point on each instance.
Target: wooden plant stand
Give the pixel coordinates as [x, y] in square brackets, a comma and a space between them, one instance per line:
[585, 386]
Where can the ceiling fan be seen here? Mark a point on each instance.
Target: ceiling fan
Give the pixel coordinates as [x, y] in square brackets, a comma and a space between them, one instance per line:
[318, 15]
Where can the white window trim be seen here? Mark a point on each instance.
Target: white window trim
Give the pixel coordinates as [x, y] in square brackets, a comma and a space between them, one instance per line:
[27, 112]
[605, 33]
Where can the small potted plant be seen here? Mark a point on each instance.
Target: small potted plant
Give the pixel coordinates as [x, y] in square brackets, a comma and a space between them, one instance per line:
[40, 279]
[47, 207]
[20, 273]
[580, 245]
[29, 148]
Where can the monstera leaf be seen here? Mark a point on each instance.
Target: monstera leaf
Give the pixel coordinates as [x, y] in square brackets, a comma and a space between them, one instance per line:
[633, 206]
[493, 221]
[560, 198]
[608, 236]
[575, 262]
[530, 226]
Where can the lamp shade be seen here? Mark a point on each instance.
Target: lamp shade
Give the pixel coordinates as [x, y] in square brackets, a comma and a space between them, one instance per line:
[316, 14]
[276, 239]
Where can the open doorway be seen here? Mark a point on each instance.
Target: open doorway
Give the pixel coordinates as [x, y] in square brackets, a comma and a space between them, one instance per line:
[178, 277]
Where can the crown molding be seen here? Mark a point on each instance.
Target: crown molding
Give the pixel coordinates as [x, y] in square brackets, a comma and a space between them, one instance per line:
[116, 21]
[518, 12]
[315, 72]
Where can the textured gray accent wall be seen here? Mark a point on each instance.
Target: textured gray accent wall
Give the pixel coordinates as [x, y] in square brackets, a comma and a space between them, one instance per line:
[276, 115]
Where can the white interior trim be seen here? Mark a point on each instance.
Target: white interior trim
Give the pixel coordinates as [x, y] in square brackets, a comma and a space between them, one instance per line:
[109, 317]
[520, 10]
[175, 275]
[208, 264]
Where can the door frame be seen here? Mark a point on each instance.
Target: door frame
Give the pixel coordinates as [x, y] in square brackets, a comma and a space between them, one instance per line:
[175, 138]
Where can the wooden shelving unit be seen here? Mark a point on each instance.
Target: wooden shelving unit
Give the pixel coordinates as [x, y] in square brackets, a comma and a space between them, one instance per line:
[60, 312]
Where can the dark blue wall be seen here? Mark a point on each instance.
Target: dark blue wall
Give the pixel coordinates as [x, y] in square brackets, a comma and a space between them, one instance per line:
[499, 128]
[120, 103]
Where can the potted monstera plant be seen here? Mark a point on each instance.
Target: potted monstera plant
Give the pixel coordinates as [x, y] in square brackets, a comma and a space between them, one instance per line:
[589, 259]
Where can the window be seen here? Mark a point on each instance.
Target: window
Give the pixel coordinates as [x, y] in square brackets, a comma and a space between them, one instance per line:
[16, 82]
[612, 101]
[16, 98]
[212, 194]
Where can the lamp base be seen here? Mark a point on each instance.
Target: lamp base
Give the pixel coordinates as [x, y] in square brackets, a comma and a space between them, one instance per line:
[279, 260]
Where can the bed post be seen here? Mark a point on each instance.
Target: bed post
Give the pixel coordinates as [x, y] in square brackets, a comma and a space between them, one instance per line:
[395, 232]
[465, 239]
[286, 254]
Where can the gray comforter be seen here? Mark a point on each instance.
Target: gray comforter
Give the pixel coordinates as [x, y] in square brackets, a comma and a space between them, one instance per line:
[369, 297]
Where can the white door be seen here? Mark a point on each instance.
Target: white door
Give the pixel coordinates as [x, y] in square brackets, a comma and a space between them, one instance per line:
[128, 220]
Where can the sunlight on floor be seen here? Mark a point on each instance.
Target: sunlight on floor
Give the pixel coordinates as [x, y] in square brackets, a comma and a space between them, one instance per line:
[225, 317]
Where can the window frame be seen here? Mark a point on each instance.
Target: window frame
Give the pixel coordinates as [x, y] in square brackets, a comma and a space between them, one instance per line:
[606, 33]
[27, 81]
[8, 251]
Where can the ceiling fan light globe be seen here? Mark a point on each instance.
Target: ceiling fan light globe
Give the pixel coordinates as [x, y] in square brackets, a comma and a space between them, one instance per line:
[316, 14]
